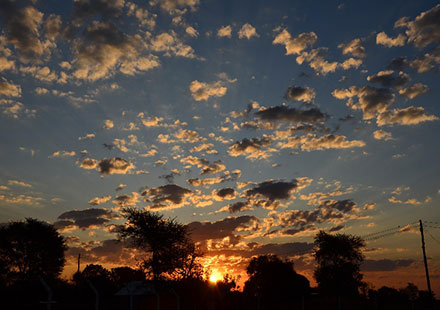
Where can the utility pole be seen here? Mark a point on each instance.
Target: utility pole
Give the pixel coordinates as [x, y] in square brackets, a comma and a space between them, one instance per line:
[424, 259]
[79, 259]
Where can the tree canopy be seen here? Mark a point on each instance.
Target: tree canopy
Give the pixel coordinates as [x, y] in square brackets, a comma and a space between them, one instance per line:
[166, 243]
[271, 276]
[30, 249]
[338, 260]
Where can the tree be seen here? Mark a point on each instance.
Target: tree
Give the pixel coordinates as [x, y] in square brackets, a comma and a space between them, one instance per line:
[338, 260]
[270, 277]
[30, 249]
[165, 241]
[124, 275]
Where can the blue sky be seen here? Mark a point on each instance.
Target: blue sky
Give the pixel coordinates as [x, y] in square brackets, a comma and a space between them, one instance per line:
[256, 123]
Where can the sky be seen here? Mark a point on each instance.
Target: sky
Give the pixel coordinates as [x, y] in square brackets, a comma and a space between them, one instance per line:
[255, 123]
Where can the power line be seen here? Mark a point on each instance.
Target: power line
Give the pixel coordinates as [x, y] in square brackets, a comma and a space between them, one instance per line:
[427, 231]
[387, 232]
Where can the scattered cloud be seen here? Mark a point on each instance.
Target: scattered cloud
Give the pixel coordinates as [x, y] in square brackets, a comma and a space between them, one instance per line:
[382, 135]
[299, 93]
[202, 91]
[19, 183]
[372, 100]
[311, 142]
[423, 30]
[407, 116]
[9, 89]
[83, 219]
[389, 79]
[168, 196]
[251, 148]
[225, 31]
[284, 113]
[99, 200]
[383, 39]
[297, 44]
[247, 31]
[354, 47]
[414, 91]
[108, 124]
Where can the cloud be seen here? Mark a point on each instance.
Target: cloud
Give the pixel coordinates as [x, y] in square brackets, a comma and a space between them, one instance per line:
[171, 45]
[312, 142]
[297, 44]
[22, 30]
[205, 165]
[414, 91]
[389, 79]
[354, 48]
[333, 211]
[99, 200]
[251, 148]
[425, 63]
[144, 17]
[108, 124]
[89, 163]
[372, 100]
[225, 31]
[114, 165]
[383, 39]
[89, 8]
[236, 207]
[424, 29]
[186, 135]
[299, 93]
[382, 135]
[41, 73]
[9, 89]
[6, 64]
[226, 193]
[316, 61]
[407, 116]
[284, 113]
[83, 219]
[192, 32]
[126, 200]
[63, 154]
[411, 201]
[273, 190]
[228, 227]
[87, 137]
[247, 31]
[166, 196]
[15, 109]
[398, 63]
[22, 200]
[171, 6]
[385, 264]
[19, 183]
[103, 48]
[202, 91]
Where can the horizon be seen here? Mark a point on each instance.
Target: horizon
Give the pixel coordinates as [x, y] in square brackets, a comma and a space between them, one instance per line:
[255, 124]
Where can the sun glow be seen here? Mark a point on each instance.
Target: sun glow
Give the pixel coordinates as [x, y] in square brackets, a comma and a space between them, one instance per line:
[215, 276]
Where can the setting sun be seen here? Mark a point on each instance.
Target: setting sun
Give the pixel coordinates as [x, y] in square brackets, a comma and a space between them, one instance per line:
[215, 276]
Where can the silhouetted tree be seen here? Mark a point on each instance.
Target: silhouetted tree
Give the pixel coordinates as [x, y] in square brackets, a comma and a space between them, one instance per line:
[30, 249]
[123, 275]
[338, 260]
[165, 241]
[274, 279]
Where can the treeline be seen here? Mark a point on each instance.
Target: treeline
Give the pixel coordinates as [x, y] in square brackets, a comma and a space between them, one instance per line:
[170, 276]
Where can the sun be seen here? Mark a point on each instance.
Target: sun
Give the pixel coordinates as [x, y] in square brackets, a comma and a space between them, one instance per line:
[215, 277]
